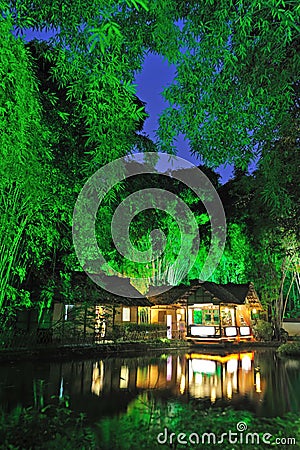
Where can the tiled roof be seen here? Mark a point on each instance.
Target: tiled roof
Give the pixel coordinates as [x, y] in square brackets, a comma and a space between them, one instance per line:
[219, 293]
[81, 283]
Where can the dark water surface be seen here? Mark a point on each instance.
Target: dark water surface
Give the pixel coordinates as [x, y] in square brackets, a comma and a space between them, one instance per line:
[256, 381]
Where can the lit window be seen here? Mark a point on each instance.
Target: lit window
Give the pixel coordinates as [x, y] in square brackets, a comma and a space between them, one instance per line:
[126, 314]
[231, 331]
[245, 331]
[68, 312]
[143, 314]
[203, 331]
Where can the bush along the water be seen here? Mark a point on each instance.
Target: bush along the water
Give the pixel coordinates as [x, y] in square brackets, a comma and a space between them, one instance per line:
[289, 349]
[263, 331]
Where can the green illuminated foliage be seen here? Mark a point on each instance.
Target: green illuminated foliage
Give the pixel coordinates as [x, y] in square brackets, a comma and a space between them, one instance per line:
[235, 97]
[24, 168]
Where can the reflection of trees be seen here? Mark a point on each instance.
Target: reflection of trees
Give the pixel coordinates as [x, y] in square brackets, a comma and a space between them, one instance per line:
[282, 384]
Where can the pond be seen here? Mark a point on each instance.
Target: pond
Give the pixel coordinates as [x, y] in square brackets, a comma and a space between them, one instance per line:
[259, 382]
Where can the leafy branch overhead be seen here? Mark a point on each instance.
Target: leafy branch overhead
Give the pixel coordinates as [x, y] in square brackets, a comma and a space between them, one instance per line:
[69, 106]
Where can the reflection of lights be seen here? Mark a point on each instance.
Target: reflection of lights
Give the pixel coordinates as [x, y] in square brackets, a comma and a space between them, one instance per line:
[203, 366]
[169, 368]
[61, 389]
[232, 365]
[245, 331]
[213, 395]
[254, 310]
[142, 377]
[246, 363]
[257, 382]
[182, 384]
[235, 380]
[203, 331]
[198, 378]
[221, 359]
[124, 377]
[179, 370]
[97, 378]
[226, 310]
[229, 389]
[231, 331]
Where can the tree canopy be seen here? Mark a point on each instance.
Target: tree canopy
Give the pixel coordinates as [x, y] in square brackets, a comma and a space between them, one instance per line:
[235, 97]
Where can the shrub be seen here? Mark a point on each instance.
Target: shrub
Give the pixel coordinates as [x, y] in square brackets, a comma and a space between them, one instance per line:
[263, 331]
[52, 427]
[136, 331]
[291, 349]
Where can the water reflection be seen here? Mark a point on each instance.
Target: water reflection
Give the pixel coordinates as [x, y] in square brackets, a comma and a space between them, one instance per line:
[260, 382]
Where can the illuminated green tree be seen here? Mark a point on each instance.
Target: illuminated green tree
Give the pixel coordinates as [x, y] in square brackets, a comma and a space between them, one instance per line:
[24, 169]
[235, 97]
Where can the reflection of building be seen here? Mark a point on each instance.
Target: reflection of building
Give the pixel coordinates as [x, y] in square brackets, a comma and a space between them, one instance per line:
[217, 377]
[230, 377]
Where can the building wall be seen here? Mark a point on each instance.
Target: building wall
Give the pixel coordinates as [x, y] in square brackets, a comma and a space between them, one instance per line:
[292, 327]
[133, 315]
[159, 314]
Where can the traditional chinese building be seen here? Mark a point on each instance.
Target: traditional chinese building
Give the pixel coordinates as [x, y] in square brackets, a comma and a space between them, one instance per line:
[210, 311]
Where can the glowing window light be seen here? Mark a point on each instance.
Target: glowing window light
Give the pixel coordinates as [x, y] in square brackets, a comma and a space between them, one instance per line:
[68, 312]
[203, 331]
[203, 366]
[230, 331]
[245, 331]
[232, 365]
[126, 314]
